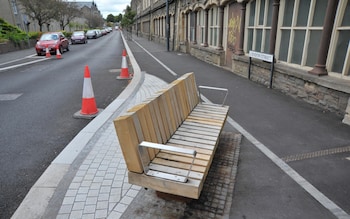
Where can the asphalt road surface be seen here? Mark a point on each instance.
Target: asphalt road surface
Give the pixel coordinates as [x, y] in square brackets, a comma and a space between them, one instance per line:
[37, 103]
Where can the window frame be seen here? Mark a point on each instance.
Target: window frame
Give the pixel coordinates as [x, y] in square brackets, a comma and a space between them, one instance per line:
[335, 36]
[213, 26]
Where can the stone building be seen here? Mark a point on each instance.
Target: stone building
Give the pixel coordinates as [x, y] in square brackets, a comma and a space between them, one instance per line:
[12, 12]
[309, 41]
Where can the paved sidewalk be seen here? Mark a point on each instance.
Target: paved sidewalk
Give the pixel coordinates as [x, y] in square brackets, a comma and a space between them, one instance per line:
[89, 178]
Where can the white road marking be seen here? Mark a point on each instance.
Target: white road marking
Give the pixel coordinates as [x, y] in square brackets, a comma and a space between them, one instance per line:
[161, 63]
[6, 97]
[22, 64]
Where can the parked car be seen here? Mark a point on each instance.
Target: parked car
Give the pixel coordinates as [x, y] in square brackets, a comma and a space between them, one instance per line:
[78, 37]
[99, 33]
[91, 34]
[104, 32]
[52, 41]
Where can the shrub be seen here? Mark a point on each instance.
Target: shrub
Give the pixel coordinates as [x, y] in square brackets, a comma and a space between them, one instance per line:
[10, 32]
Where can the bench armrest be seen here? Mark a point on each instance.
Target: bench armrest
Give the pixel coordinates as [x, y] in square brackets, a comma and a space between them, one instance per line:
[145, 160]
[225, 90]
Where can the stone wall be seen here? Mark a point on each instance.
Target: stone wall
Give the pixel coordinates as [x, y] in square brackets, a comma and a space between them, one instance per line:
[207, 54]
[327, 92]
[10, 46]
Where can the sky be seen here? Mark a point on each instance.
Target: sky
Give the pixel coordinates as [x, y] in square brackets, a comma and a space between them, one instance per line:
[107, 7]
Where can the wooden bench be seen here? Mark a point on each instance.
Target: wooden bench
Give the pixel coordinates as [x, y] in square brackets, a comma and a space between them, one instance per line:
[169, 140]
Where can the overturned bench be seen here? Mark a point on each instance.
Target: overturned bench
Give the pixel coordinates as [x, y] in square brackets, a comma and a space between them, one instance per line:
[169, 140]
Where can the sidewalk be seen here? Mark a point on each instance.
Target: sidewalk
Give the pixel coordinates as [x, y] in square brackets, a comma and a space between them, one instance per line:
[89, 178]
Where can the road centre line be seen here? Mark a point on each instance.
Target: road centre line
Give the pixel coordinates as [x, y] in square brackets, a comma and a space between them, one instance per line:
[307, 186]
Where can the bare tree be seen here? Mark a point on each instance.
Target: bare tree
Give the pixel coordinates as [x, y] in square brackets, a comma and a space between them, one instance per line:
[67, 11]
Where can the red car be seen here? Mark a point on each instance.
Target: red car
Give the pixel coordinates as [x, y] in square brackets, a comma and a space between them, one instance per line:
[52, 40]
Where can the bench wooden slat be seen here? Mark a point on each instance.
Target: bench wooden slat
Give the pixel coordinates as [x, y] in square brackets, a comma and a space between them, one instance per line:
[180, 165]
[191, 130]
[157, 121]
[172, 102]
[180, 158]
[142, 122]
[199, 155]
[189, 189]
[127, 136]
[196, 124]
[204, 121]
[194, 140]
[166, 114]
[208, 115]
[199, 150]
[202, 135]
[175, 171]
[191, 144]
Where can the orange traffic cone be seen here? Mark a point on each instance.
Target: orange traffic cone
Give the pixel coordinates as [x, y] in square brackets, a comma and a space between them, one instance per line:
[58, 53]
[124, 72]
[88, 106]
[48, 55]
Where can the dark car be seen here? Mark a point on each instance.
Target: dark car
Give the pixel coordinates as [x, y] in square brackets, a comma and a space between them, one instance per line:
[78, 37]
[52, 41]
[91, 34]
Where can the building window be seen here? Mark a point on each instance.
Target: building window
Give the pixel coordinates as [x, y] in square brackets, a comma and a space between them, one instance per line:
[301, 24]
[213, 26]
[192, 27]
[259, 25]
[14, 7]
[339, 53]
[201, 26]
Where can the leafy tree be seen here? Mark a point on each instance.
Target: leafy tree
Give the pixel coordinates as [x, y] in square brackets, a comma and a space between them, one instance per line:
[128, 18]
[39, 11]
[118, 18]
[110, 18]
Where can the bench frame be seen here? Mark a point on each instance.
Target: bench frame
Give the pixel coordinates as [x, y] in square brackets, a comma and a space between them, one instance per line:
[169, 140]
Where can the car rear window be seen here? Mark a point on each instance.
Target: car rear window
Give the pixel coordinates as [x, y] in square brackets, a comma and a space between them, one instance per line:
[49, 37]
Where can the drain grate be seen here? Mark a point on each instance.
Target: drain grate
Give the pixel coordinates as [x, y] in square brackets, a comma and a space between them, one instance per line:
[316, 154]
[6, 97]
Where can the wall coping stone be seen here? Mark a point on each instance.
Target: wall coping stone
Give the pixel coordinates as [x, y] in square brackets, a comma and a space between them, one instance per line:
[334, 83]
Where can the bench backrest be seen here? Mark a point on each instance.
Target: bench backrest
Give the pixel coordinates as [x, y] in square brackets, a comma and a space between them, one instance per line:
[156, 119]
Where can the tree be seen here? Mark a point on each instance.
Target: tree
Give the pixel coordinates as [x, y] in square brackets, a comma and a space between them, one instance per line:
[110, 18]
[67, 11]
[39, 11]
[128, 18]
[118, 18]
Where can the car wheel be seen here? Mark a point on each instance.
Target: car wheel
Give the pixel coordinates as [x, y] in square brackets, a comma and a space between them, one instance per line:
[61, 49]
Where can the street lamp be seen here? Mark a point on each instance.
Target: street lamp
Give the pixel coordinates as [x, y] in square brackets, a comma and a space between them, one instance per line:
[167, 24]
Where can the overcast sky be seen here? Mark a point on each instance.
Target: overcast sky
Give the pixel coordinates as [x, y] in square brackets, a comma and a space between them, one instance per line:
[107, 7]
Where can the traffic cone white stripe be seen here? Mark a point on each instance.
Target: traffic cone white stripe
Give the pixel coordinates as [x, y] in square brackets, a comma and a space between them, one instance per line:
[58, 53]
[124, 72]
[87, 88]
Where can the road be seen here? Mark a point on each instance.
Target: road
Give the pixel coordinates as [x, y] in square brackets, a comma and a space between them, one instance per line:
[37, 102]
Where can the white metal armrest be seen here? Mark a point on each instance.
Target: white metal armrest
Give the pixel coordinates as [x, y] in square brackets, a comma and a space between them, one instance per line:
[214, 88]
[145, 160]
